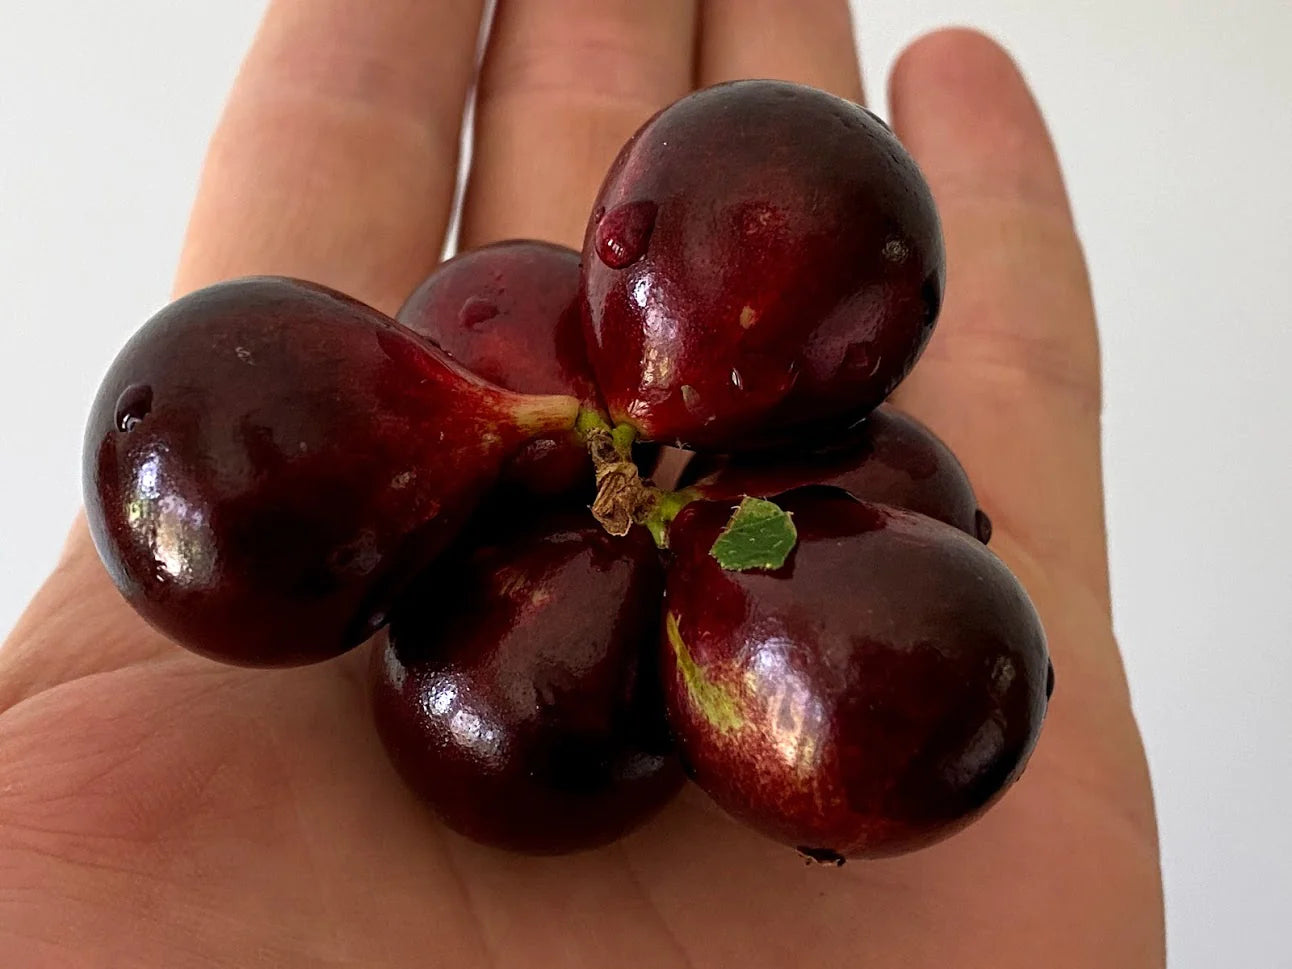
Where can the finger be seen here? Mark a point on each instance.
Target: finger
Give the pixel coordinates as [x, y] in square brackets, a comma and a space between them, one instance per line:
[810, 42]
[1011, 376]
[336, 156]
[565, 83]
[334, 161]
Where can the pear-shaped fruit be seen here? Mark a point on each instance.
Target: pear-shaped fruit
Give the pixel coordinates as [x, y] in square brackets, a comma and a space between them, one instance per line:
[269, 462]
[872, 695]
[762, 257]
[517, 691]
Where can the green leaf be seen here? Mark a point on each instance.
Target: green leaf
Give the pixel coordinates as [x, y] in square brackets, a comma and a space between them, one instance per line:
[759, 535]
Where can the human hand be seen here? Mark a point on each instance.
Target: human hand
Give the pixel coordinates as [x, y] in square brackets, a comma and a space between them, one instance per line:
[157, 809]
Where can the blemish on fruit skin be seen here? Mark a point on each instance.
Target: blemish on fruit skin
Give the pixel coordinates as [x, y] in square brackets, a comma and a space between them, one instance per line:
[748, 317]
[1002, 674]
[895, 250]
[657, 368]
[713, 702]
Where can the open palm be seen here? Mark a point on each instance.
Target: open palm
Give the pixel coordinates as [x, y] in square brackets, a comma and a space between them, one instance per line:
[159, 810]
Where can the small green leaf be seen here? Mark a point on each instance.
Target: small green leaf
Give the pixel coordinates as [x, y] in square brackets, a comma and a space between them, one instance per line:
[759, 535]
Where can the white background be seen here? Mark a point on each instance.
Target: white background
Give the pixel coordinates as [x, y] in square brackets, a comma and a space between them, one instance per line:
[1173, 121]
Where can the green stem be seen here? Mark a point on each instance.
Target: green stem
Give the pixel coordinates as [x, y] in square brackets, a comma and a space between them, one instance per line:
[589, 420]
[666, 508]
[623, 436]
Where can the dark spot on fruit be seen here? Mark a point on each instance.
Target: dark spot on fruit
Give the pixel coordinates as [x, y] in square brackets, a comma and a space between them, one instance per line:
[982, 526]
[821, 856]
[895, 250]
[134, 404]
[624, 233]
[1049, 680]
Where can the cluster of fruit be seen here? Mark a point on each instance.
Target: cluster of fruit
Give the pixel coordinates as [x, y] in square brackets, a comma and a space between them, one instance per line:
[805, 619]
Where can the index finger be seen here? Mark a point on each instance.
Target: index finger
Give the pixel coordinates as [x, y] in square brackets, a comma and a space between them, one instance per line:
[336, 157]
[335, 161]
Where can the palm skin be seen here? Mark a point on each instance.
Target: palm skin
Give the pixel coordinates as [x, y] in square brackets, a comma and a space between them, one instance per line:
[157, 809]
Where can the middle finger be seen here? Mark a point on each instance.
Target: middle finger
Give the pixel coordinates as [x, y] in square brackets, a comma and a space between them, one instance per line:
[564, 85]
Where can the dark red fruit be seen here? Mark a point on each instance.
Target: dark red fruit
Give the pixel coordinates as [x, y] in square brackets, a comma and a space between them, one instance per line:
[762, 256]
[268, 463]
[517, 692]
[887, 459]
[872, 696]
[510, 313]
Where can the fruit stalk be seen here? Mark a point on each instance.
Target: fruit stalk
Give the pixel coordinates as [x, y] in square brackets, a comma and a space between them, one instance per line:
[538, 414]
[623, 498]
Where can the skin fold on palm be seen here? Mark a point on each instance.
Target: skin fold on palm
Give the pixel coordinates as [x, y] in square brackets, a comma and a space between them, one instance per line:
[157, 809]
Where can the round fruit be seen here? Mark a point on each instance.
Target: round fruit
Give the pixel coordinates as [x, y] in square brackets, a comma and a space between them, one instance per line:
[762, 256]
[517, 692]
[509, 312]
[871, 696]
[268, 462]
[887, 459]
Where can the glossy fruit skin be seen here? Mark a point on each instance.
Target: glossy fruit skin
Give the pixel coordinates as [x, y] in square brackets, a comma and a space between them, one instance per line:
[761, 256]
[509, 312]
[870, 697]
[517, 694]
[889, 458]
[269, 462]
